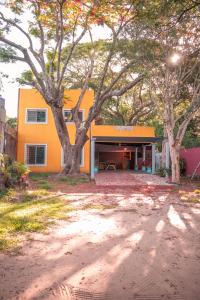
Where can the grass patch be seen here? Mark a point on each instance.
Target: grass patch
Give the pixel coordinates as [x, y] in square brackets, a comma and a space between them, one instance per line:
[191, 200]
[100, 206]
[190, 197]
[33, 195]
[74, 180]
[44, 185]
[197, 191]
[42, 180]
[31, 214]
[38, 176]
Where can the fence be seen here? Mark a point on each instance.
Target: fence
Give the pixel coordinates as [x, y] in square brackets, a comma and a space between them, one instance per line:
[192, 158]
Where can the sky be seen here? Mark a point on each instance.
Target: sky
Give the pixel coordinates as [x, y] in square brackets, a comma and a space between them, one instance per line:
[10, 86]
[13, 70]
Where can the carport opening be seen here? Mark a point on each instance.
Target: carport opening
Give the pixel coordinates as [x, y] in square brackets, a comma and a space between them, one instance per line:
[123, 156]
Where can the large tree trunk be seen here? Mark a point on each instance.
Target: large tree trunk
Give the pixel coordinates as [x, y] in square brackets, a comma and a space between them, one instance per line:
[72, 156]
[72, 153]
[175, 159]
[174, 149]
[163, 155]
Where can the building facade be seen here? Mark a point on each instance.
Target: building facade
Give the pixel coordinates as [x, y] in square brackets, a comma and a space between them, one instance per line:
[38, 145]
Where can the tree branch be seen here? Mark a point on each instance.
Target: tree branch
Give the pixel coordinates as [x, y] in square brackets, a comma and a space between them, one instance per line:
[124, 69]
[123, 90]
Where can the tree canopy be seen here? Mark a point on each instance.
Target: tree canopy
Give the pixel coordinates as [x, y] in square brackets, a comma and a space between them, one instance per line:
[151, 44]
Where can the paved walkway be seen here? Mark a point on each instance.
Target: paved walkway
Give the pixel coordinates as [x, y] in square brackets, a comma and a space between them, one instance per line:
[128, 178]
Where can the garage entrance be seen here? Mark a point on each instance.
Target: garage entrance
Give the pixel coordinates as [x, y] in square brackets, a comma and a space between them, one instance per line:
[125, 153]
[112, 156]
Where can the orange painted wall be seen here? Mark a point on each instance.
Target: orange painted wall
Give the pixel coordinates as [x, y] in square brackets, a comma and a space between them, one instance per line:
[123, 131]
[46, 133]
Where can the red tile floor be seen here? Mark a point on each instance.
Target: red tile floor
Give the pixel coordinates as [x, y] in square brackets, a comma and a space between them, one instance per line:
[128, 178]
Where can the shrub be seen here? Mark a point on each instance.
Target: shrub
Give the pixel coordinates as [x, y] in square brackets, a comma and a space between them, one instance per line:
[163, 172]
[182, 164]
[167, 172]
[12, 172]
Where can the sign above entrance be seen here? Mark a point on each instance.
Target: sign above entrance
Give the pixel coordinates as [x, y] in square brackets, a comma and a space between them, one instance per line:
[124, 128]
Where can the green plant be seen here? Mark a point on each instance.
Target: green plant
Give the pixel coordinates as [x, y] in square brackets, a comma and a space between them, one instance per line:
[163, 172]
[11, 172]
[182, 164]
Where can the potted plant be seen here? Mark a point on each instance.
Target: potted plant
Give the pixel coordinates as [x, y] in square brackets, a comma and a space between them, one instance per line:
[148, 169]
[96, 169]
[143, 166]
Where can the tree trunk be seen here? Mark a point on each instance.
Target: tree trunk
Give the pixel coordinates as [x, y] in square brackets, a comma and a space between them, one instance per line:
[163, 155]
[175, 158]
[174, 148]
[72, 157]
[71, 153]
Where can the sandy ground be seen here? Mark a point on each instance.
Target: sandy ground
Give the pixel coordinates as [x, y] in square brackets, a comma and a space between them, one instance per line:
[147, 247]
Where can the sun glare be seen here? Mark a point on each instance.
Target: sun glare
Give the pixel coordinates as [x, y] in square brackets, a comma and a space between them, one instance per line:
[175, 58]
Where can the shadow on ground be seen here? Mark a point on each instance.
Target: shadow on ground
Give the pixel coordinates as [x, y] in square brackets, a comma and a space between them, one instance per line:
[146, 247]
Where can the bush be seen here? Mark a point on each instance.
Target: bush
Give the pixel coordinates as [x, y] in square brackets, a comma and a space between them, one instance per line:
[12, 172]
[163, 172]
[182, 164]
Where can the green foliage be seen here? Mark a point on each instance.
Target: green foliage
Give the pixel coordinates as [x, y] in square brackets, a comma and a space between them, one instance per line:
[11, 172]
[12, 122]
[6, 54]
[163, 172]
[192, 135]
[190, 141]
[182, 164]
[26, 78]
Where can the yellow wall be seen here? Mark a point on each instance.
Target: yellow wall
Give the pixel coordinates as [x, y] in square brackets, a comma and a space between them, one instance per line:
[123, 131]
[46, 133]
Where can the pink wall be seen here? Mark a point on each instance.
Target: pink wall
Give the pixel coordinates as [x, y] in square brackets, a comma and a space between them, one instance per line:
[192, 157]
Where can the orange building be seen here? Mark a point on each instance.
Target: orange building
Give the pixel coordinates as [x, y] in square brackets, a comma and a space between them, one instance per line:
[108, 147]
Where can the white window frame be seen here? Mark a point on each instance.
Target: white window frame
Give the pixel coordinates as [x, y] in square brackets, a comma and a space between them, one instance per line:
[68, 109]
[39, 108]
[82, 158]
[45, 154]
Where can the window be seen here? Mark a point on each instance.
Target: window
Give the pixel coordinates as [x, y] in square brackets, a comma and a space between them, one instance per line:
[36, 116]
[35, 154]
[81, 158]
[68, 115]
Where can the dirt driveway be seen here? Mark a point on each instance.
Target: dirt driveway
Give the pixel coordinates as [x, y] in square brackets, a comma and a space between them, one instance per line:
[125, 245]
